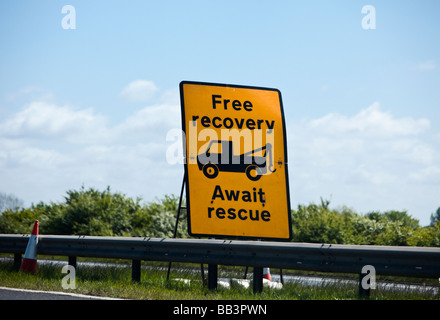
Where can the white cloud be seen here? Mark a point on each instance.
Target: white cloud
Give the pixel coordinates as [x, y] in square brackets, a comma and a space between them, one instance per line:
[152, 120]
[139, 91]
[46, 120]
[371, 160]
[427, 65]
[47, 149]
[371, 121]
[26, 91]
[427, 175]
[171, 96]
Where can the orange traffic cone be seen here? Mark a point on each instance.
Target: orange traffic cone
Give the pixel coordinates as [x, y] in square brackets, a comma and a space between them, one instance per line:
[266, 274]
[29, 264]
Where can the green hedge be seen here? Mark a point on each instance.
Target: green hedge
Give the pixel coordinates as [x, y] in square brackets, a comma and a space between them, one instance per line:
[104, 213]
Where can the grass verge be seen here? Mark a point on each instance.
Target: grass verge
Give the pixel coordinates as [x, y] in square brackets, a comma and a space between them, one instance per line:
[115, 281]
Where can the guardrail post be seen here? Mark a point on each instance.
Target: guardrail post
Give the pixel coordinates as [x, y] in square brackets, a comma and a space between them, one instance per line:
[136, 270]
[72, 261]
[202, 269]
[17, 261]
[212, 276]
[258, 280]
[363, 293]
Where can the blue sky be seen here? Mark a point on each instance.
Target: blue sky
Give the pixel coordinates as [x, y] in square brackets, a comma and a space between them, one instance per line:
[92, 106]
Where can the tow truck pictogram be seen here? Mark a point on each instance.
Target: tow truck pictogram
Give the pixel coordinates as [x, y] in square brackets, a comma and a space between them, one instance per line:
[254, 166]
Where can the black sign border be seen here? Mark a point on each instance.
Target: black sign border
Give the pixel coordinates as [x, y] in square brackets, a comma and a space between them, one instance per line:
[188, 210]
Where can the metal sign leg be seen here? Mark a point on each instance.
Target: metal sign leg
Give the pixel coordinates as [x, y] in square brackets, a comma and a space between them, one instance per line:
[177, 221]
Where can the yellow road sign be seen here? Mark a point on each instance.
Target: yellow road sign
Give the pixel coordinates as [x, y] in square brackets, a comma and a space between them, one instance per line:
[236, 161]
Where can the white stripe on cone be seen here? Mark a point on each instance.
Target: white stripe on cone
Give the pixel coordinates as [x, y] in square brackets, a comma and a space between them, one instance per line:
[29, 264]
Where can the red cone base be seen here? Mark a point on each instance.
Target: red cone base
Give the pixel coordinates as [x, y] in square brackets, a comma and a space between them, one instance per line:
[29, 266]
[266, 274]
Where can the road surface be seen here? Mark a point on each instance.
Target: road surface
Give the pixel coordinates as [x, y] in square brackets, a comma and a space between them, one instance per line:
[24, 294]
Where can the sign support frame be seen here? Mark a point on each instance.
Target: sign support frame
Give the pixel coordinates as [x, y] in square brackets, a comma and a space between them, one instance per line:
[176, 226]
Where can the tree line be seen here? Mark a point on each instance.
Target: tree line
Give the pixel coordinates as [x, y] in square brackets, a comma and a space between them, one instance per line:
[106, 213]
